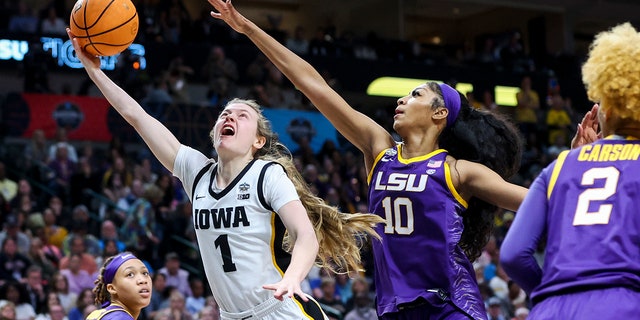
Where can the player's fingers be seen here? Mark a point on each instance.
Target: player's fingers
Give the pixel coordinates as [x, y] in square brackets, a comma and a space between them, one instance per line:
[302, 296]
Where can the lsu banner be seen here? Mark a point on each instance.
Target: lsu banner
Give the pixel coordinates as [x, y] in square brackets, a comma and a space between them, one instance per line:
[85, 118]
[293, 126]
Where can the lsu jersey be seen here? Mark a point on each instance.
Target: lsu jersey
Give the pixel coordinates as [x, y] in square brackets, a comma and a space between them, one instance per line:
[592, 218]
[419, 255]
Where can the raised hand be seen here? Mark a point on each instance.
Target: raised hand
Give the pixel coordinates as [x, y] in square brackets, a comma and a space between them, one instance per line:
[87, 60]
[228, 14]
[588, 130]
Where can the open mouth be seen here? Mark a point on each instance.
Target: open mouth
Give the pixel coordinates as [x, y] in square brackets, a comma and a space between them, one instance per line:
[228, 130]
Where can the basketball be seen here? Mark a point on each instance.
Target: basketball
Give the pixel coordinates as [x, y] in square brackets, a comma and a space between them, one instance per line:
[104, 27]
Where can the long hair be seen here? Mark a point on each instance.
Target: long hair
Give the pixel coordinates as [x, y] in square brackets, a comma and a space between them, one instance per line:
[486, 138]
[337, 233]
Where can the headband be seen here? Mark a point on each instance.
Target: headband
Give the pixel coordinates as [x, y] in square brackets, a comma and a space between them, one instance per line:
[451, 102]
[112, 267]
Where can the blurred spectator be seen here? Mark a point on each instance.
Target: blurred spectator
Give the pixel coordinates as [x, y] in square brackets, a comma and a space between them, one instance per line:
[78, 277]
[558, 119]
[85, 298]
[108, 232]
[24, 21]
[110, 249]
[16, 293]
[158, 295]
[8, 187]
[176, 309]
[363, 308]
[52, 24]
[36, 288]
[83, 226]
[55, 312]
[7, 310]
[61, 140]
[298, 43]
[60, 287]
[329, 298]
[219, 68]
[87, 262]
[84, 179]
[40, 259]
[176, 277]
[12, 231]
[528, 105]
[197, 300]
[343, 287]
[61, 169]
[359, 285]
[35, 69]
[488, 103]
[177, 74]
[13, 264]
[494, 309]
[54, 233]
[209, 313]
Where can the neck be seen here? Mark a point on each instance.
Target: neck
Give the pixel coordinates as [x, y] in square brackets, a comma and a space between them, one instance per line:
[228, 169]
[419, 145]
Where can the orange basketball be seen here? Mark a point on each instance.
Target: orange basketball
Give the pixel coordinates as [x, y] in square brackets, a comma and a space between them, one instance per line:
[104, 27]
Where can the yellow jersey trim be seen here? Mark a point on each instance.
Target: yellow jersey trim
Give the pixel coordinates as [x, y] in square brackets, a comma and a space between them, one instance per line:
[272, 243]
[452, 189]
[556, 172]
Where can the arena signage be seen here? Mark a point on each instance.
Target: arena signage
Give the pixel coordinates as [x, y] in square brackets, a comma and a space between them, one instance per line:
[62, 51]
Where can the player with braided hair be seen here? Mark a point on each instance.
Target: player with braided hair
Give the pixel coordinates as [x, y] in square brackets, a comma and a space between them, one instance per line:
[122, 289]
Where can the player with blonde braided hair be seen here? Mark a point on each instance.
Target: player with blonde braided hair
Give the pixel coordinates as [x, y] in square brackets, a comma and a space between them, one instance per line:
[122, 289]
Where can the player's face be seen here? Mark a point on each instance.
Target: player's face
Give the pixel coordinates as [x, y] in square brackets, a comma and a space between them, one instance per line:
[132, 284]
[414, 110]
[236, 130]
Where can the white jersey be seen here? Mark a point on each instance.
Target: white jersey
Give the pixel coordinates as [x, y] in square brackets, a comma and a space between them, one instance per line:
[239, 233]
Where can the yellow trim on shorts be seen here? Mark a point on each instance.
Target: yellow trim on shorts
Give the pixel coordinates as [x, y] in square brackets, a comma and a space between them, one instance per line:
[452, 188]
[556, 172]
[302, 308]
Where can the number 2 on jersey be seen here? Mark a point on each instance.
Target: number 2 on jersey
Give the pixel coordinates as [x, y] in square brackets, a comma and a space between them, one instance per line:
[222, 242]
[393, 215]
[583, 217]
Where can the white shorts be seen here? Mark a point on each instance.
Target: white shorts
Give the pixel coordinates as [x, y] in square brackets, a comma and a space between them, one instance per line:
[274, 309]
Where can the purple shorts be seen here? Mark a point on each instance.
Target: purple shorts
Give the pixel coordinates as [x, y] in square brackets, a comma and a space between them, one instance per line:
[601, 304]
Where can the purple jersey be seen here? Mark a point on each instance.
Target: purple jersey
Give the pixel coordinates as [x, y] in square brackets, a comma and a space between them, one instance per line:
[587, 204]
[111, 312]
[419, 254]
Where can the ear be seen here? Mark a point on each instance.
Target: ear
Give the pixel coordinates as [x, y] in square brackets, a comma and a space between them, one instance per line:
[112, 289]
[259, 143]
[440, 113]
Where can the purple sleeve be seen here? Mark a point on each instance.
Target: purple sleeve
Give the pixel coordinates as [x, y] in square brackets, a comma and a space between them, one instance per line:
[518, 247]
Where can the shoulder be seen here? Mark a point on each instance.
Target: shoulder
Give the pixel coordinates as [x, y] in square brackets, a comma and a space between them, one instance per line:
[109, 314]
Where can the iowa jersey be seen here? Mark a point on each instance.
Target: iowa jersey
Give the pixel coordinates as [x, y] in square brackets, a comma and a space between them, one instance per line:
[239, 234]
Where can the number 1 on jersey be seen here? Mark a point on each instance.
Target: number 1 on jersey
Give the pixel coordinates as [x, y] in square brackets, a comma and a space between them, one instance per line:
[222, 242]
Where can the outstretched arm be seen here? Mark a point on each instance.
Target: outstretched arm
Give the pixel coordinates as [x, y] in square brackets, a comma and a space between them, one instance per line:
[160, 140]
[359, 129]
